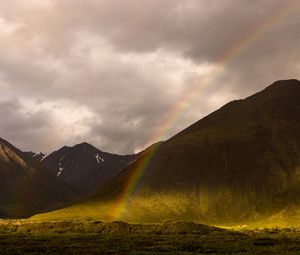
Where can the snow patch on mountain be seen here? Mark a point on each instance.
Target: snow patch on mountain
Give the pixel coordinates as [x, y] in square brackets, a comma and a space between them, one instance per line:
[60, 171]
[39, 155]
[99, 159]
[60, 166]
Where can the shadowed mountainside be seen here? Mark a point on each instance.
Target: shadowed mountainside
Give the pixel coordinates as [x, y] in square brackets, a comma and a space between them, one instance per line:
[24, 187]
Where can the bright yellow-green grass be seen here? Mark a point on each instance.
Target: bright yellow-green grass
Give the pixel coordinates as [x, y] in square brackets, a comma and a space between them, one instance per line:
[152, 208]
[172, 207]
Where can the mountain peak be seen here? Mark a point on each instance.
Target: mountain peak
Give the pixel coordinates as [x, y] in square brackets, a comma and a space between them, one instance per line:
[84, 167]
[279, 95]
[10, 146]
[85, 147]
[289, 82]
[282, 87]
[83, 144]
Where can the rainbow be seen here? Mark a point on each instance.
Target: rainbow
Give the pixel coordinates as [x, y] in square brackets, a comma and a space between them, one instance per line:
[244, 43]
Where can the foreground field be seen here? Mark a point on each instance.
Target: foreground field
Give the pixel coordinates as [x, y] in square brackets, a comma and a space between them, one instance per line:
[90, 237]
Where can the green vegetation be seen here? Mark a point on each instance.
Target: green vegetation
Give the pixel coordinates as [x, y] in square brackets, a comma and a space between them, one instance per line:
[94, 237]
[171, 206]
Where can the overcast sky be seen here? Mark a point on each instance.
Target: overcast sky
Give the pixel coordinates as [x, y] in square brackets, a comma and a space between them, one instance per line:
[111, 72]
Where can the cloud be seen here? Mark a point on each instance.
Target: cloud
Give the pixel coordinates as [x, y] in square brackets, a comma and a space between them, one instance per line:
[111, 72]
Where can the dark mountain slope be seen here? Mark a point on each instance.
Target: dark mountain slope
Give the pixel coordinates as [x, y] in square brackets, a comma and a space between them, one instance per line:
[238, 164]
[26, 190]
[84, 167]
[255, 138]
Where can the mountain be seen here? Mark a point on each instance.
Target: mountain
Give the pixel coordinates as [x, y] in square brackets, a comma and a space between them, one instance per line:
[25, 189]
[84, 167]
[240, 164]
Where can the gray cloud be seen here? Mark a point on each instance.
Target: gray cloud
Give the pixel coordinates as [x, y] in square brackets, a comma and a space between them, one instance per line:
[111, 72]
[25, 129]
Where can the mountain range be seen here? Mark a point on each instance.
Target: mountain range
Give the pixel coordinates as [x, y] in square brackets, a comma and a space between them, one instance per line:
[237, 165]
[32, 182]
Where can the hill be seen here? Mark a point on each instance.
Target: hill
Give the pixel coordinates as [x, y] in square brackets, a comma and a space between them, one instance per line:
[238, 164]
[25, 189]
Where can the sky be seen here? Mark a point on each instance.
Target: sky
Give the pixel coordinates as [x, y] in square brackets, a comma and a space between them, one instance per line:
[112, 72]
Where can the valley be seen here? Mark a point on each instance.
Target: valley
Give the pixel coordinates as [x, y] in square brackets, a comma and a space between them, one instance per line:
[144, 127]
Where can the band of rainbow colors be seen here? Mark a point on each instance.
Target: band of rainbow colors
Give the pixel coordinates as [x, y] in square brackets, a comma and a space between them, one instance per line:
[137, 173]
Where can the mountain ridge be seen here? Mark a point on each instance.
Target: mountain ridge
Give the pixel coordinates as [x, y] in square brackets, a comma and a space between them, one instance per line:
[85, 167]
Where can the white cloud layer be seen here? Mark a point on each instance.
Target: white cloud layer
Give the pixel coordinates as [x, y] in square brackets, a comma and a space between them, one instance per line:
[111, 72]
